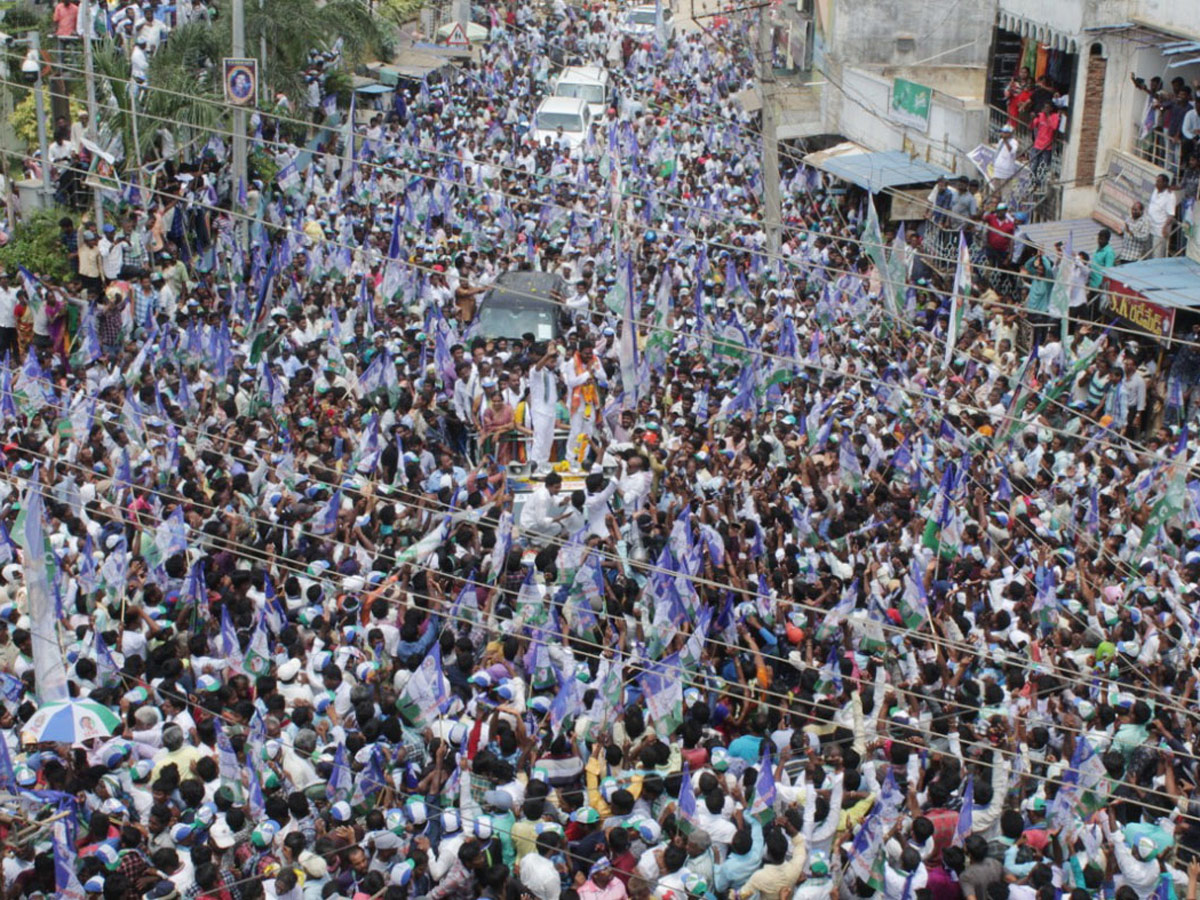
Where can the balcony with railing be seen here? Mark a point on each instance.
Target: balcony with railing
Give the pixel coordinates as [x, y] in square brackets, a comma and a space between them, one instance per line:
[1032, 192]
[1162, 150]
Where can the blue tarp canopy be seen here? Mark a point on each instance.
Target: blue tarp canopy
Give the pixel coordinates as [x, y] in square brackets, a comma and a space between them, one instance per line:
[1168, 282]
[874, 171]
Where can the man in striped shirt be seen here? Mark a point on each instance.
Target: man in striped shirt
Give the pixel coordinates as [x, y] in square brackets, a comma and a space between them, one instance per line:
[136, 260]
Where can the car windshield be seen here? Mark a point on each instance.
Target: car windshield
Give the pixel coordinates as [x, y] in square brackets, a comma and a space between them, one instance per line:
[499, 320]
[642, 17]
[548, 121]
[592, 93]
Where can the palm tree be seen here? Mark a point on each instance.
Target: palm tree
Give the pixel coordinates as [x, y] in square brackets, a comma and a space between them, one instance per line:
[294, 27]
[184, 74]
[184, 95]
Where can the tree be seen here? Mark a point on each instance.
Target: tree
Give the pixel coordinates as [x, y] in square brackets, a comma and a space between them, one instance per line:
[184, 90]
[182, 94]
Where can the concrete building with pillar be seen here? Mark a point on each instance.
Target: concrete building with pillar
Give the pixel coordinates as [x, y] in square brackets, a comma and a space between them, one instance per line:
[865, 57]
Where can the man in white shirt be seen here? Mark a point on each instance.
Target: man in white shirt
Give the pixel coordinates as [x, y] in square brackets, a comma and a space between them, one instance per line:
[8, 315]
[1160, 212]
[595, 505]
[541, 513]
[1134, 386]
[1190, 129]
[1004, 164]
[139, 60]
[153, 31]
[112, 253]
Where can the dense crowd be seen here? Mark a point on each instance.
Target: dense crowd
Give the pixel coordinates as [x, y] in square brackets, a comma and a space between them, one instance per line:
[849, 570]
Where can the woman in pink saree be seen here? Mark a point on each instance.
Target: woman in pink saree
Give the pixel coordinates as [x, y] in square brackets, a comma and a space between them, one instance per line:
[498, 419]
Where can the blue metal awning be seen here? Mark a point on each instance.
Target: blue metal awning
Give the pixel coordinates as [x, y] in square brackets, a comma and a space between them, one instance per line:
[877, 171]
[1168, 282]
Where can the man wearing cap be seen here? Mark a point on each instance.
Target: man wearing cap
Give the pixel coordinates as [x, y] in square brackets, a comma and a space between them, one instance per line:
[818, 883]
[1005, 163]
[91, 264]
[601, 883]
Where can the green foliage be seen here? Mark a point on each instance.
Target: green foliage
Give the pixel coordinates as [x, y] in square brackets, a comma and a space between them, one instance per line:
[401, 12]
[262, 165]
[340, 84]
[35, 245]
[20, 18]
[183, 92]
[294, 27]
[24, 119]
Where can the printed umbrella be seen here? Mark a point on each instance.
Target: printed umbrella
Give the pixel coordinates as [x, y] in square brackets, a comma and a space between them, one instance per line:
[69, 722]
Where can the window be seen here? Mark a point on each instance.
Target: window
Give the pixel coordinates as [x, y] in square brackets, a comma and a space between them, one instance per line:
[592, 93]
[567, 121]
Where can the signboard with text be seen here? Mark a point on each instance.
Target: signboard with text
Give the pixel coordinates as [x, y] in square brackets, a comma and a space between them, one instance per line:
[1151, 317]
[910, 104]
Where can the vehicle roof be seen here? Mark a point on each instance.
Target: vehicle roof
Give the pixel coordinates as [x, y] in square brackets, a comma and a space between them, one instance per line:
[562, 105]
[584, 74]
[530, 287]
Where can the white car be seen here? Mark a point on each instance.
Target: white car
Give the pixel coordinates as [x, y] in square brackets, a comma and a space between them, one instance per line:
[571, 114]
[640, 21]
[587, 83]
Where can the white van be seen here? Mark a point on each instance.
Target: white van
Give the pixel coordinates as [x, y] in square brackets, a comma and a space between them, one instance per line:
[588, 83]
[571, 114]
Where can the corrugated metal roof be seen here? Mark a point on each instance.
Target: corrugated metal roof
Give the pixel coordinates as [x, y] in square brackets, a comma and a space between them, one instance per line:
[876, 171]
[1168, 282]
[1044, 235]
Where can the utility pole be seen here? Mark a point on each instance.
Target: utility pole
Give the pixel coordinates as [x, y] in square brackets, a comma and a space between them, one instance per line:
[89, 77]
[35, 46]
[770, 142]
[262, 65]
[239, 114]
[9, 189]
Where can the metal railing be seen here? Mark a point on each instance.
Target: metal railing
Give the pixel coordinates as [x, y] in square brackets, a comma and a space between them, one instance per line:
[1161, 150]
[1051, 168]
[1033, 190]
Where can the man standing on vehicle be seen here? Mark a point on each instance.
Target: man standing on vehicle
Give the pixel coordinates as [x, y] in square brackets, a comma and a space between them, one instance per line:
[543, 413]
[584, 376]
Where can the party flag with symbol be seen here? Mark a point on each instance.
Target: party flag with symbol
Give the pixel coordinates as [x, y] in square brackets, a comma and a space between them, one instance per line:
[687, 796]
[958, 297]
[257, 660]
[763, 807]
[231, 650]
[1175, 497]
[966, 814]
[340, 782]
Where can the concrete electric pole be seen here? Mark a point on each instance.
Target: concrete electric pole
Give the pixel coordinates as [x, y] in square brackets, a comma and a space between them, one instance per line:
[770, 142]
[89, 78]
[239, 114]
[35, 47]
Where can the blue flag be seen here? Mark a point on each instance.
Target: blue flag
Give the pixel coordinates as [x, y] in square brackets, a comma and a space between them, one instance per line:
[963, 829]
[763, 807]
[687, 796]
[339, 785]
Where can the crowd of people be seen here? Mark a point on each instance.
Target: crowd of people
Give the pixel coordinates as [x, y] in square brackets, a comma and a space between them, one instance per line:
[838, 571]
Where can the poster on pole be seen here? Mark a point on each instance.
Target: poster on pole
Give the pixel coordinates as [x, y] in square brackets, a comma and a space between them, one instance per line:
[241, 80]
[910, 104]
